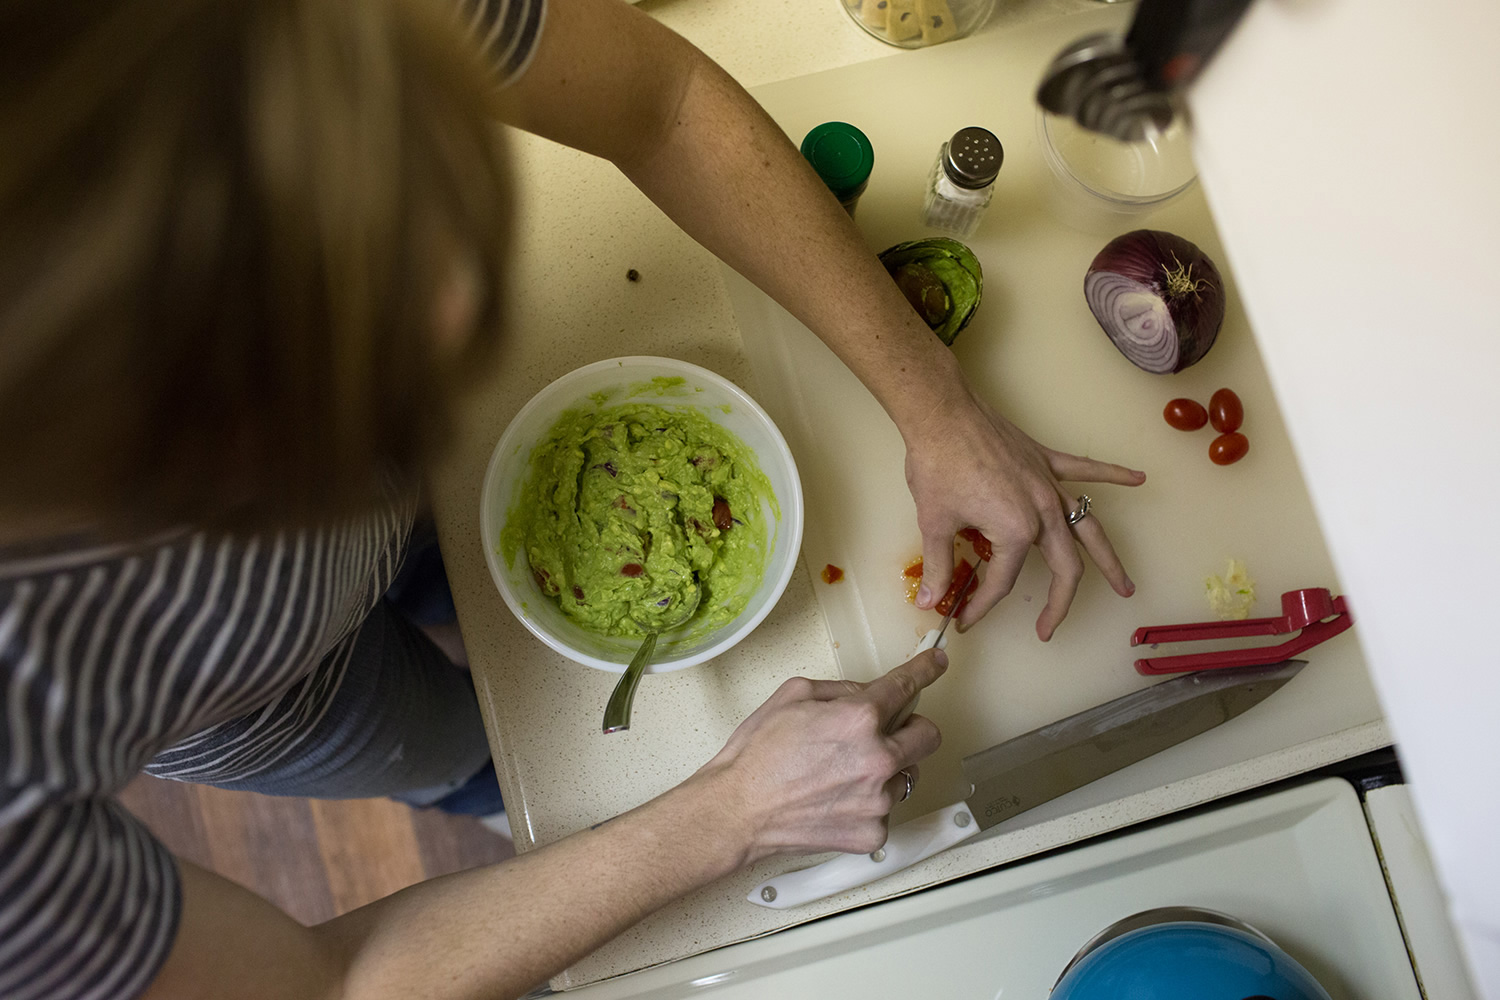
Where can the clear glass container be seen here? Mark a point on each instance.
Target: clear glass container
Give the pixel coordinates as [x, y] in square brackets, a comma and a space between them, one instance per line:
[1100, 182]
[962, 181]
[913, 24]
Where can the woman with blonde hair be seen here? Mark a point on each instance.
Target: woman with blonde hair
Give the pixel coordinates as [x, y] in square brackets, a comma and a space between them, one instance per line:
[251, 249]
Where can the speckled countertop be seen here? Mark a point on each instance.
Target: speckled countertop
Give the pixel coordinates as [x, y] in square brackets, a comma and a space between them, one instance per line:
[581, 227]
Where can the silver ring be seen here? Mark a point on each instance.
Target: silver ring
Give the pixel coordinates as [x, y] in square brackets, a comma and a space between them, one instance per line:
[909, 784]
[1084, 503]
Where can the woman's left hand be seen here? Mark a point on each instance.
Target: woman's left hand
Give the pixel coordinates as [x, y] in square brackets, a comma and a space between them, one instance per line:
[977, 469]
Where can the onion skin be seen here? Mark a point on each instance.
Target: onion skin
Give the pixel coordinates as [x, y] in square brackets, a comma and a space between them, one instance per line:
[1158, 297]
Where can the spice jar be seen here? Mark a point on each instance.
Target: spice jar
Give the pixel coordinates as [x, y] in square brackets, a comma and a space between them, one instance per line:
[913, 24]
[963, 181]
[842, 155]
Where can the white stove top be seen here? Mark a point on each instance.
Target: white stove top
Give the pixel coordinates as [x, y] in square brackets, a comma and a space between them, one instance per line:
[1297, 864]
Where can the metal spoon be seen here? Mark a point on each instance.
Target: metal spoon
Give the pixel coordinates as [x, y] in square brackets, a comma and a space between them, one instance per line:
[617, 712]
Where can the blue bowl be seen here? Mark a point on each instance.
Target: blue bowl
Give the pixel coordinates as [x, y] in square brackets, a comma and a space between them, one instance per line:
[1187, 960]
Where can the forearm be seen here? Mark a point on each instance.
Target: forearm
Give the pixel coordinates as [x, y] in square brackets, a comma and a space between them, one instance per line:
[489, 933]
[730, 178]
[613, 82]
[503, 929]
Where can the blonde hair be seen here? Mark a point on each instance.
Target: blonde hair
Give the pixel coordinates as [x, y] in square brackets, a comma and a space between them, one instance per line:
[225, 228]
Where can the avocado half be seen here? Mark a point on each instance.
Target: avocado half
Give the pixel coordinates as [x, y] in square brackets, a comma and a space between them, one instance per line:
[942, 280]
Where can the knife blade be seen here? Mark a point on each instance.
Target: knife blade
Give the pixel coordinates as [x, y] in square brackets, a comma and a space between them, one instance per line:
[933, 638]
[1022, 773]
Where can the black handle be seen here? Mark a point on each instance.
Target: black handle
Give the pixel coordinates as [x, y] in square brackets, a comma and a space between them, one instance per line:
[1172, 40]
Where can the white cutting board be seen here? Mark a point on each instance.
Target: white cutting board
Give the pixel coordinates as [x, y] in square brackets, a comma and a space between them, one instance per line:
[1037, 353]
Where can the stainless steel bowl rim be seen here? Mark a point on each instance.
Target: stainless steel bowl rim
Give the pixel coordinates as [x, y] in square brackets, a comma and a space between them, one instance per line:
[1160, 915]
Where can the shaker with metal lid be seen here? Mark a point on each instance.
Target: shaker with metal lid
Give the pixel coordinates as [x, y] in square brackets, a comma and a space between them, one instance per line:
[963, 181]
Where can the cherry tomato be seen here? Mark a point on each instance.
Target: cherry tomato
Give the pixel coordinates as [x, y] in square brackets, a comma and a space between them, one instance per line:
[911, 579]
[1185, 414]
[1225, 411]
[982, 547]
[961, 574]
[1227, 449]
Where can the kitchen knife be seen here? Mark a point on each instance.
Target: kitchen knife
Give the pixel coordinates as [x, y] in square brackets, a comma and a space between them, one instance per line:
[935, 638]
[1022, 773]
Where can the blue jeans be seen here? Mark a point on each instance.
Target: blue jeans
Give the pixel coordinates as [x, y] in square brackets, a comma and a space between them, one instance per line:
[404, 722]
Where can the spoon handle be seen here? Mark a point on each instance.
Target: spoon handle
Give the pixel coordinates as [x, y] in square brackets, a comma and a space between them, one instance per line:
[617, 712]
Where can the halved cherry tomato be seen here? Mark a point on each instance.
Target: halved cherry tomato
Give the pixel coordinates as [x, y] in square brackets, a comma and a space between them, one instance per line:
[961, 575]
[1225, 411]
[1185, 414]
[1227, 449]
[911, 579]
[982, 547]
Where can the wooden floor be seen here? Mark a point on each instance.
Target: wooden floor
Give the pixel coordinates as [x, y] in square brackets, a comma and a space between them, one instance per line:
[314, 859]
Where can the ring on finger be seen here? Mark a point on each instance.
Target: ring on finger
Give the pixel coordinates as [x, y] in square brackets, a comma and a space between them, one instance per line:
[910, 783]
[1084, 503]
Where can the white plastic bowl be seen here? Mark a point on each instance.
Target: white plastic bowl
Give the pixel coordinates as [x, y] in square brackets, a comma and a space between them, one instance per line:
[599, 386]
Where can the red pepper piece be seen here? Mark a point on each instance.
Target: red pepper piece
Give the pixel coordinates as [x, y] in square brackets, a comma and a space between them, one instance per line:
[632, 569]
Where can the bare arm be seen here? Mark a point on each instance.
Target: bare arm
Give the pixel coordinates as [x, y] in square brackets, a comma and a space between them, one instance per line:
[611, 81]
[811, 770]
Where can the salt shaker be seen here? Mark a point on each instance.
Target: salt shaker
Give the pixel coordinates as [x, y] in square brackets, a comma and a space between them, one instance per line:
[963, 181]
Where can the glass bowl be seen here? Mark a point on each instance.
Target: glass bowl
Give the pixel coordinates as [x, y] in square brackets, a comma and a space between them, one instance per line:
[1101, 176]
[604, 384]
[914, 24]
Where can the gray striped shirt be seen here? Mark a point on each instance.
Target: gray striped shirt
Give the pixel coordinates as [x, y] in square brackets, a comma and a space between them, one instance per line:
[191, 655]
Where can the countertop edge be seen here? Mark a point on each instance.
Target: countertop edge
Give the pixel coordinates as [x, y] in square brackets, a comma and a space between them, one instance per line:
[986, 854]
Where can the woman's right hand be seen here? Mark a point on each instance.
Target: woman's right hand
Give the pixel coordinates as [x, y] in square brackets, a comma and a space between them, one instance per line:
[813, 769]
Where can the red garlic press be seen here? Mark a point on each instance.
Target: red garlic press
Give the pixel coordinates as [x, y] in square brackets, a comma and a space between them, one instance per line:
[1313, 613]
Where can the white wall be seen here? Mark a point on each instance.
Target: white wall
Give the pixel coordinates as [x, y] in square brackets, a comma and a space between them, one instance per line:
[1350, 150]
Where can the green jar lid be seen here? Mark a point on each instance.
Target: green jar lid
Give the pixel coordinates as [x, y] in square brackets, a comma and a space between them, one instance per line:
[842, 156]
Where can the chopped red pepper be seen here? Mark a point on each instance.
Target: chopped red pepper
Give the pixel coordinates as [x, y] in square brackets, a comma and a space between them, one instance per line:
[832, 574]
[632, 569]
[722, 518]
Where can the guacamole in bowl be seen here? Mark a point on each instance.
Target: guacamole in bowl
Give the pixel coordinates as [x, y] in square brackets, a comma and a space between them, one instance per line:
[624, 486]
[628, 510]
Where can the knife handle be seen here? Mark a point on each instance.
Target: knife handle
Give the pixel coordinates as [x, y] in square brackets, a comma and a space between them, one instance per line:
[912, 841]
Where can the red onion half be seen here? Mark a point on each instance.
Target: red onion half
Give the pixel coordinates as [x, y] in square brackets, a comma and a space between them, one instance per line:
[1159, 298]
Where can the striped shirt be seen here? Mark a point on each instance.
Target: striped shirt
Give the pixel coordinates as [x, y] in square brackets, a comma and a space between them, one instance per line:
[191, 655]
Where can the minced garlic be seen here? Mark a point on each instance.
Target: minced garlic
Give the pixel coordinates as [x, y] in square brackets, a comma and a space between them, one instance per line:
[1233, 595]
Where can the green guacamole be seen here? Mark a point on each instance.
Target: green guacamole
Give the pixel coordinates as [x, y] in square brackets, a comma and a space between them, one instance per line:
[627, 509]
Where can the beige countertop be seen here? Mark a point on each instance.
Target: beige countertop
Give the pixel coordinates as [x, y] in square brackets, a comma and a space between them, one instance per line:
[582, 226]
